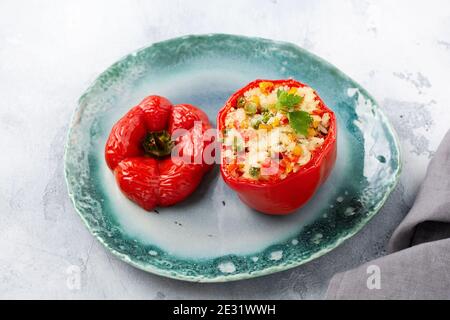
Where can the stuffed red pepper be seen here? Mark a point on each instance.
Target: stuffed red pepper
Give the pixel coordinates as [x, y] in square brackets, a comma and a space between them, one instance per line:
[139, 151]
[278, 144]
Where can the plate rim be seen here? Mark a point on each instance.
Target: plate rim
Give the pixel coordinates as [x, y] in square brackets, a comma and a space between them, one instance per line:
[242, 275]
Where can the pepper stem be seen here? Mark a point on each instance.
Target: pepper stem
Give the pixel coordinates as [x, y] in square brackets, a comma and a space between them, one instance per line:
[158, 144]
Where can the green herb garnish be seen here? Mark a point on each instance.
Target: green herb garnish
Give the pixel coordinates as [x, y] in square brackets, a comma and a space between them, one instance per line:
[300, 121]
[254, 172]
[286, 101]
[266, 116]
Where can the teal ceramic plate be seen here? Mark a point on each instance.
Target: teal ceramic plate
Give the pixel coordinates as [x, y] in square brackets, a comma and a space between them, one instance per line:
[212, 236]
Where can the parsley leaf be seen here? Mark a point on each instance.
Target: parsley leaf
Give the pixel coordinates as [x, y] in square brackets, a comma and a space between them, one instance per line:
[254, 172]
[300, 121]
[287, 101]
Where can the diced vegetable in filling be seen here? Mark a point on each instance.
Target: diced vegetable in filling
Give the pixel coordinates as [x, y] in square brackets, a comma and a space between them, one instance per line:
[272, 131]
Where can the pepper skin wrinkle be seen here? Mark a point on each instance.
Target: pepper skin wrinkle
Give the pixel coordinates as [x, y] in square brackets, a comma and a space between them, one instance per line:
[145, 178]
[275, 196]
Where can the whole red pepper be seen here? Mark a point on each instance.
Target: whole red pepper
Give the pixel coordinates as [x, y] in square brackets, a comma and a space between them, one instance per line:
[276, 196]
[139, 148]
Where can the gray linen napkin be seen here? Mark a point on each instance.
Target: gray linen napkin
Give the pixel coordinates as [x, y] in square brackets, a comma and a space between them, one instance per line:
[418, 266]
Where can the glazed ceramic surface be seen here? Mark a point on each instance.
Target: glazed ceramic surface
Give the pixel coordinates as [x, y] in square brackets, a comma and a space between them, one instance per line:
[212, 236]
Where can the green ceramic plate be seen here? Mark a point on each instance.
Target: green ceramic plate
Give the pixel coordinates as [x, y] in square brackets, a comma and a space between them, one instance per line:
[212, 236]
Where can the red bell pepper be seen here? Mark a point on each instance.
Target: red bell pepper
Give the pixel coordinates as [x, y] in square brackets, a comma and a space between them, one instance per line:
[139, 148]
[276, 196]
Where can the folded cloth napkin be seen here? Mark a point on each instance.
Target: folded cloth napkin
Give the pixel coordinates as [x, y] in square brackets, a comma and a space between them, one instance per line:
[418, 266]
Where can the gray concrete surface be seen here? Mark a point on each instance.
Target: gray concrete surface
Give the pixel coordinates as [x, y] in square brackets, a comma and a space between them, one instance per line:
[50, 51]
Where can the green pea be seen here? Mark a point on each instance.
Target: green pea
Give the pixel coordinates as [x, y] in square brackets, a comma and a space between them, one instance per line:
[250, 108]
